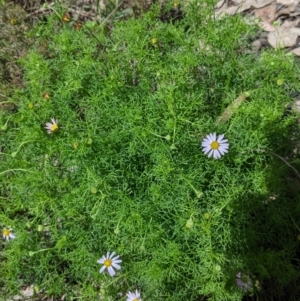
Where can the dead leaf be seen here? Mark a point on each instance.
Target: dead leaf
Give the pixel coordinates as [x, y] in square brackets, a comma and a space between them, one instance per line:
[264, 13]
[231, 10]
[266, 26]
[284, 37]
[267, 15]
[254, 3]
[288, 2]
[28, 292]
[220, 3]
[296, 51]
[256, 45]
[296, 11]
[222, 8]
[231, 108]
[290, 23]
[296, 106]
[285, 10]
[102, 4]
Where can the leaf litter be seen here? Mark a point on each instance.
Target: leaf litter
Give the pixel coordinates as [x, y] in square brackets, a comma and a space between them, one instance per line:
[279, 21]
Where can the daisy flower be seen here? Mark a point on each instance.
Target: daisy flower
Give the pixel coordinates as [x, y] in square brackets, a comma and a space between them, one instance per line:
[110, 262]
[7, 234]
[133, 296]
[216, 146]
[52, 127]
[243, 281]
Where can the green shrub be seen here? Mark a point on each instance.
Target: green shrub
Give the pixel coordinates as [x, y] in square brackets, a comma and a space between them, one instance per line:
[125, 170]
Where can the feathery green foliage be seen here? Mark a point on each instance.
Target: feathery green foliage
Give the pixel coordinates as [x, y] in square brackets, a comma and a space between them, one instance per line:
[125, 171]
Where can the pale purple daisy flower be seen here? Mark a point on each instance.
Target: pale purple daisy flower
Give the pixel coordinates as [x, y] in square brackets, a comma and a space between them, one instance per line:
[7, 234]
[133, 296]
[215, 146]
[51, 126]
[110, 262]
[243, 281]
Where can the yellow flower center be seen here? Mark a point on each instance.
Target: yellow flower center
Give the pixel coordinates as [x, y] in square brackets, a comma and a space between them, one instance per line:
[135, 299]
[6, 232]
[215, 145]
[107, 263]
[154, 41]
[54, 127]
[206, 215]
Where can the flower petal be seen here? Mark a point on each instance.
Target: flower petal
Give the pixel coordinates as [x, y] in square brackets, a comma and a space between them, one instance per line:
[217, 154]
[213, 136]
[206, 149]
[210, 153]
[102, 269]
[206, 143]
[115, 258]
[240, 283]
[223, 149]
[225, 144]
[220, 138]
[206, 139]
[130, 295]
[116, 266]
[111, 271]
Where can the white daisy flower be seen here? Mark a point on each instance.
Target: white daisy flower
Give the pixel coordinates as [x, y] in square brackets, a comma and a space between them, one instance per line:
[51, 126]
[133, 296]
[110, 262]
[7, 234]
[243, 281]
[215, 146]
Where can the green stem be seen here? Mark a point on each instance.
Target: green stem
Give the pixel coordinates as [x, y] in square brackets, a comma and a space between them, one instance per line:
[16, 169]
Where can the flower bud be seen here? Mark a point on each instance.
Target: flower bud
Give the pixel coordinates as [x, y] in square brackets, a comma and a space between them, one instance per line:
[117, 231]
[40, 228]
[94, 190]
[189, 223]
